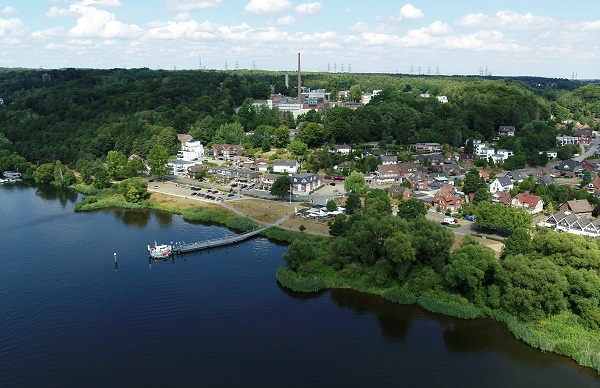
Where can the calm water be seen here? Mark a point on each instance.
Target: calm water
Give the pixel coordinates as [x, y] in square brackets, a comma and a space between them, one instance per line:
[218, 318]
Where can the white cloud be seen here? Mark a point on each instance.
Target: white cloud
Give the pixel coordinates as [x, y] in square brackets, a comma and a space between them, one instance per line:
[408, 11]
[56, 12]
[12, 26]
[438, 28]
[259, 7]
[591, 26]
[191, 5]
[308, 9]
[81, 42]
[49, 33]
[94, 22]
[510, 19]
[8, 11]
[286, 20]
[359, 27]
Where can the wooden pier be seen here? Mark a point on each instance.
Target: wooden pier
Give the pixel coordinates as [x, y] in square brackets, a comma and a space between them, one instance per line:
[179, 248]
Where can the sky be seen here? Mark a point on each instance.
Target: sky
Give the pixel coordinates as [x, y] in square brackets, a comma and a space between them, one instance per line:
[549, 38]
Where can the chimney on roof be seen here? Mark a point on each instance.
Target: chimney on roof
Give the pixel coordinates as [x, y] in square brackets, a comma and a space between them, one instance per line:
[299, 81]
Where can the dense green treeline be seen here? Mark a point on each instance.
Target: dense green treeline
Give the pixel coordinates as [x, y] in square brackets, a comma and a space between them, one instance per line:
[547, 288]
[79, 115]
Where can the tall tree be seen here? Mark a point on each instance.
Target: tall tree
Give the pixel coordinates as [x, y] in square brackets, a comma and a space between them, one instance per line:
[355, 183]
[473, 182]
[281, 186]
[157, 160]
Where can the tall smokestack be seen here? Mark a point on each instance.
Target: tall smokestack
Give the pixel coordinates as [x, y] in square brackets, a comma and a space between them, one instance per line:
[299, 81]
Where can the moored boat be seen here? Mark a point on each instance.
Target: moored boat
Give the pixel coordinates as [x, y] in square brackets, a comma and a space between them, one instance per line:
[162, 251]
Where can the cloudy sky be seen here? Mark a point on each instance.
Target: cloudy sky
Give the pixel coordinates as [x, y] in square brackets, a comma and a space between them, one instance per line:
[553, 38]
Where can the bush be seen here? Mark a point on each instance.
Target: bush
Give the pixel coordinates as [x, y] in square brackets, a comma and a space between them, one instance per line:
[450, 304]
[244, 224]
[288, 278]
[205, 215]
[399, 295]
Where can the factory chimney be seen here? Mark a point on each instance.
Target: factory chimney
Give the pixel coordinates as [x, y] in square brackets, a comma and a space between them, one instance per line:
[299, 81]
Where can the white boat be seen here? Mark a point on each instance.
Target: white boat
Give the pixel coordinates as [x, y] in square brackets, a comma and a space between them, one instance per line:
[160, 251]
[12, 176]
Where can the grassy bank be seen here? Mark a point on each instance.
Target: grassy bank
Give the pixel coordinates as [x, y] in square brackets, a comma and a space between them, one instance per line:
[561, 334]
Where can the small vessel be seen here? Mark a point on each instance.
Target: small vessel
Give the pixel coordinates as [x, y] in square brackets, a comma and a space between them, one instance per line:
[162, 251]
[12, 176]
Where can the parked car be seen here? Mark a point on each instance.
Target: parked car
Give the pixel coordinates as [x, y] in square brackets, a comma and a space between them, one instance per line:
[450, 221]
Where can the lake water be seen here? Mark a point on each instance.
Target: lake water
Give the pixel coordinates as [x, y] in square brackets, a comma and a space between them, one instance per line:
[68, 317]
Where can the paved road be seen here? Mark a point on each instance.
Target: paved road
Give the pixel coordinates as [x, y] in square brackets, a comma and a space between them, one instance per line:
[591, 150]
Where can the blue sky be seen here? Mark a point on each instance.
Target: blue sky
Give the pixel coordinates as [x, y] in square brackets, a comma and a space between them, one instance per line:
[528, 37]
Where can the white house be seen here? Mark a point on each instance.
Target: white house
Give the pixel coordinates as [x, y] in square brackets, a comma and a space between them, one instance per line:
[442, 99]
[191, 150]
[289, 166]
[506, 130]
[501, 184]
[485, 152]
[344, 149]
[304, 183]
[180, 166]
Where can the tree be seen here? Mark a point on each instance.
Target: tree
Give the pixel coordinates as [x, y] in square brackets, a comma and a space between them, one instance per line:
[355, 93]
[471, 270]
[482, 194]
[518, 242]
[587, 178]
[281, 186]
[133, 189]
[331, 206]
[231, 133]
[298, 147]
[353, 204]
[101, 180]
[355, 183]
[115, 161]
[411, 208]
[473, 182]
[44, 173]
[63, 176]
[532, 289]
[377, 204]
[157, 160]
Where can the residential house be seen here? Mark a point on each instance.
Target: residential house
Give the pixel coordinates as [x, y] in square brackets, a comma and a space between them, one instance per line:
[179, 167]
[267, 180]
[445, 199]
[501, 155]
[566, 140]
[390, 173]
[546, 180]
[286, 166]
[550, 154]
[584, 136]
[501, 197]
[190, 149]
[304, 183]
[592, 165]
[427, 147]
[506, 130]
[501, 184]
[485, 175]
[400, 191]
[193, 171]
[578, 207]
[342, 165]
[227, 151]
[534, 204]
[485, 152]
[389, 159]
[594, 186]
[568, 222]
[343, 149]
[517, 176]
[466, 158]
[568, 165]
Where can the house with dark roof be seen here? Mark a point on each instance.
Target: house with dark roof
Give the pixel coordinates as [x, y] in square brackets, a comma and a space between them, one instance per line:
[568, 165]
[546, 180]
[389, 159]
[344, 149]
[578, 207]
[584, 136]
[227, 151]
[501, 184]
[506, 130]
[304, 183]
[286, 166]
[517, 176]
[466, 158]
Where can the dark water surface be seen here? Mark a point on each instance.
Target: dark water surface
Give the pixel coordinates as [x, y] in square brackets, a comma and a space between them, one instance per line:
[218, 318]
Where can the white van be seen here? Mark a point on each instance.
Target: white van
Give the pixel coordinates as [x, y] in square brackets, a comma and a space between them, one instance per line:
[450, 221]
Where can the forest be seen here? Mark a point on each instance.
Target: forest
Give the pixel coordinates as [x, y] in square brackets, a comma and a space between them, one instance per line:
[76, 116]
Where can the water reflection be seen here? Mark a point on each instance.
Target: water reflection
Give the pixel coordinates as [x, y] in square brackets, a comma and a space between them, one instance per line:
[164, 219]
[300, 295]
[64, 196]
[394, 320]
[138, 218]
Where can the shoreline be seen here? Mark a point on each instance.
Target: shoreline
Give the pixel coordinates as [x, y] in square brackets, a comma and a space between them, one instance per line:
[521, 330]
